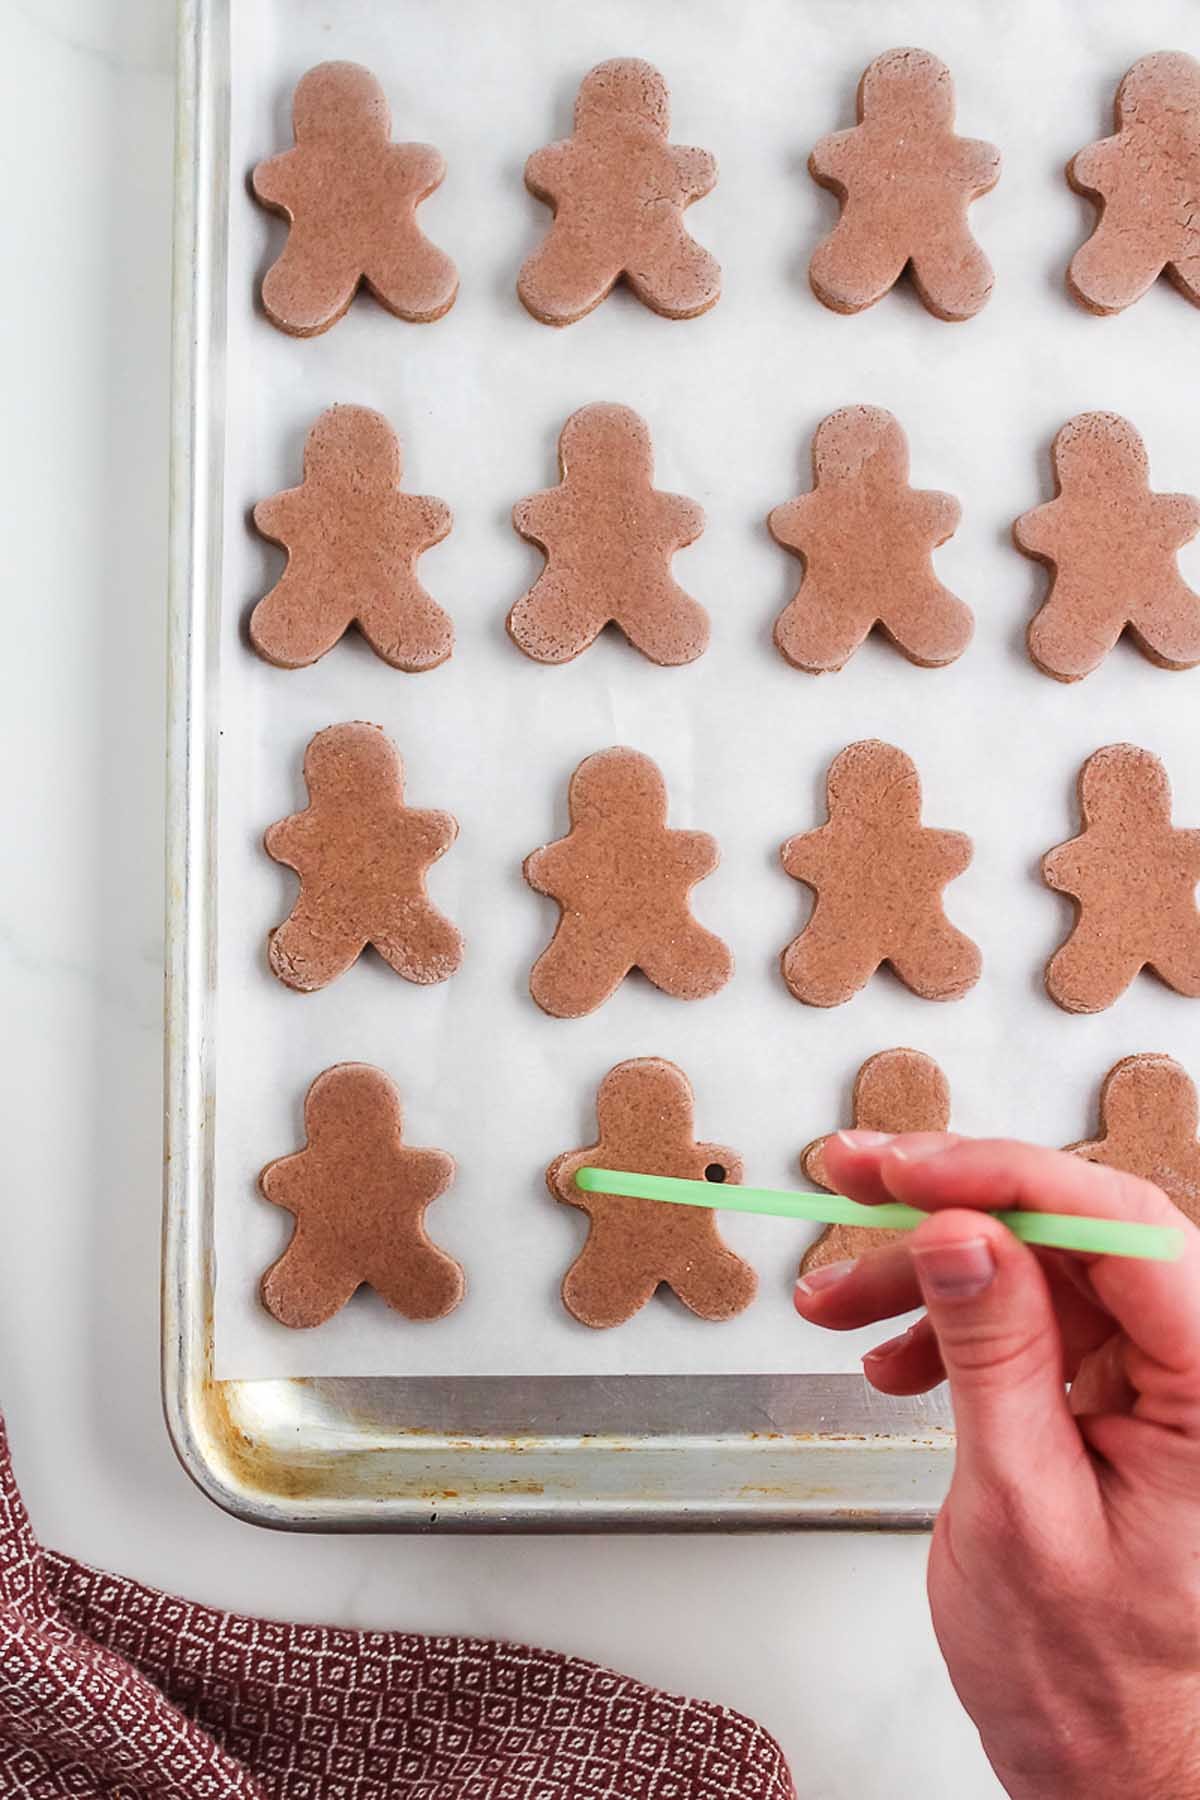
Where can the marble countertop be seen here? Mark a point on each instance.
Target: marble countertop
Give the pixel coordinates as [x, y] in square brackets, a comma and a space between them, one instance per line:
[785, 1627]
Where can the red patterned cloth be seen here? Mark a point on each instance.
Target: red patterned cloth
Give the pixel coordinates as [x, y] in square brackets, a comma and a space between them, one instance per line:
[108, 1688]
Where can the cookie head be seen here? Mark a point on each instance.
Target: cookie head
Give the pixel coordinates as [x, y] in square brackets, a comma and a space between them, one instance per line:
[1101, 448]
[901, 1090]
[626, 87]
[337, 100]
[645, 1103]
[352, 1101]
[606, 442]
[908, 84]
[1123, 784]
[621, 783]
[873, 777]
[361, 756]
[353, 447]
[1157, 91]
[860, 441]
[1150, 1097]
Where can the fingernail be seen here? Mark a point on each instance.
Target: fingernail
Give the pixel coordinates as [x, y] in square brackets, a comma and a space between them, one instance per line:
[955, 1271]
[892, 1347]
[919, 1152]
[827, 1276]
[864, 1140]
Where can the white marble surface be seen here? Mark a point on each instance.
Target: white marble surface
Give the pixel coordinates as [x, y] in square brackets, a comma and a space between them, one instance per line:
[823, 1637]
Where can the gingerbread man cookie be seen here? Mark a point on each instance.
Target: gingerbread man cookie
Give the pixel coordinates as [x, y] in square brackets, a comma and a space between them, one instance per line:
[865, 538]
[622, 879]
[644, 1111]
[352, 540]
[894, 1091]
[350, 197]
[1145, 181]
[1110, 545]
[1148, 1123]
[609, 537]
[361, 855]
[878, 876]
[359, 1195]
[1133, 878]
[618, 189]
[905, 181]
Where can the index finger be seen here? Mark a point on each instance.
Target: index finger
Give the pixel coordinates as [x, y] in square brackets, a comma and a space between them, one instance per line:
[1156, 1304]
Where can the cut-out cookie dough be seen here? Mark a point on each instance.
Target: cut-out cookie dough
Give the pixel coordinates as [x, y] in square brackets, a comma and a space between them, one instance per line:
[618, 189]
[865, 538]
[352, 539]
[1110, 545]
[1133, 878]
[609, 537]
[644, 1110]
[350, 198]
[622, 879]
[361, 855]
[1149, 1119]
[359, 1195]
[1145, 181]
[894, 1091]
[878, 876]
[905, 181]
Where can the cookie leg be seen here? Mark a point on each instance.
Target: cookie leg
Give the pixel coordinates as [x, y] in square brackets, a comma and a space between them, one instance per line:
[306, 954]
[1066, 638]
[820, 630]
[856, 264]
[602, 1287]
[671, 633]
[575, 973]
[412, 277]
[952, 275]
[935, 631]
[1185, 273]
[1168, 630]
[1089, 971]
[419, 942]
[712, 1282]
[937, 961]
[303, 293]
[554, 622]
[686, 961]
[1180, 968]
[674, 275]
[287, 627]
[310, 1282]
[1108, 272]
[418, 1279]
[565, 278]
[825, 965]
[408, 629]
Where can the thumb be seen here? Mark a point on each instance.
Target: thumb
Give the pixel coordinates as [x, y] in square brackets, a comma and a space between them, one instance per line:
[990, 1306]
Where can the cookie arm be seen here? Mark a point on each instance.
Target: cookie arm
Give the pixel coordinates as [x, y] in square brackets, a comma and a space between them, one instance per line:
[546, 869]
[806, 857]
[1177, 517]
[682, 517]
[1089, 169]
[547, 171]
[423, 515]
[1065, 867]
[791, 523]
[696, 169]
[952, 850]
[286, 840]
[426, 1173]
[935, 514]
[694, 853]
[275, 181]
[977, 164]
[429, 833]
[534, 516]
[422, 168]
[1036, 531]
[275, 517]
[725, 1158]
[831, 156]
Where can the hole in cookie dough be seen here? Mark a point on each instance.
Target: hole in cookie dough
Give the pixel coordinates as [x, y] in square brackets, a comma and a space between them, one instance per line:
[714, 1172]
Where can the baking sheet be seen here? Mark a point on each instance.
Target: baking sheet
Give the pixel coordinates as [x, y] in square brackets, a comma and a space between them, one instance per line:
[743, 740]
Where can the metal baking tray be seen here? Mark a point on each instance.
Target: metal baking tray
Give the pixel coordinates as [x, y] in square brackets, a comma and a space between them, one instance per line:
[394, 1453]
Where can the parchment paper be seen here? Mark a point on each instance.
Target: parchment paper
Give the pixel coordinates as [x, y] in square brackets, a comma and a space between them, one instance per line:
[744, 740]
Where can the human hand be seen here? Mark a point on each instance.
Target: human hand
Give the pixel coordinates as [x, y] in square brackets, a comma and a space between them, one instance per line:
[1064, 1571]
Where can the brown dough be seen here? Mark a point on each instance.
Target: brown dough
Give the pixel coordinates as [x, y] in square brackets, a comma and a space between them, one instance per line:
[361, 855]
[609, 537]
[878, 876]
[1110, 545]
[1133, 878]
[905, 181]
[1145, 181]
[865, 538]
[352, 540]
[350, 197]
[618, 190]
[894, 1091]
[622, 879]
[1148, 1125]
[359, 1196]
[644, 1111]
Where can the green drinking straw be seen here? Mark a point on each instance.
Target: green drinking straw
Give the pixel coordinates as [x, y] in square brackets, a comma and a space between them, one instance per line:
[1060, 1231]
